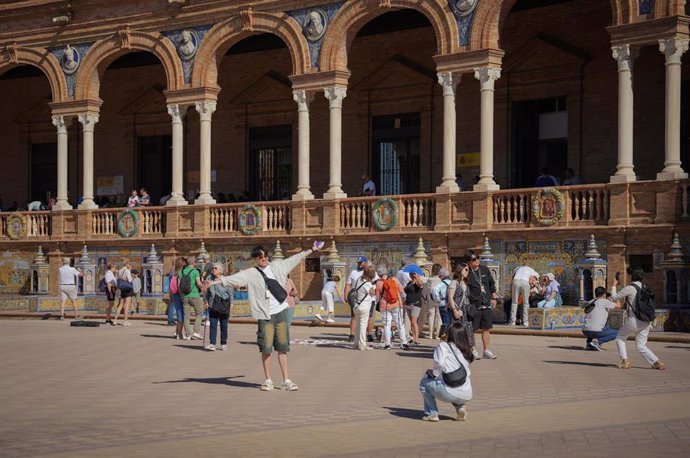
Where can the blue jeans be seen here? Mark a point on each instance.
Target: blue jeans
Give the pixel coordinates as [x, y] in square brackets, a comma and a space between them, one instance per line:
[605, 335]
[445, 316]
[432, 389]
[217, 318]
[547, 304]
[175, 311]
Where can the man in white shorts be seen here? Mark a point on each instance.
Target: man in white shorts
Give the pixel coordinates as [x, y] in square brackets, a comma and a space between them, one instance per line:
[68, 287]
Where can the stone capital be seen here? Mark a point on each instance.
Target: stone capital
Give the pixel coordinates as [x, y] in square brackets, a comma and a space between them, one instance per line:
[487, 76]
[625, 55]
[335, 95]
[449, 81]
[59, 122]
[88, 121]
[206, 109]
[673, 49]
[177, 114]
[303, 99]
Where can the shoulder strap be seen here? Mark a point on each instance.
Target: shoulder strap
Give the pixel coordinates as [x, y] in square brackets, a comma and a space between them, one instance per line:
[261, 272]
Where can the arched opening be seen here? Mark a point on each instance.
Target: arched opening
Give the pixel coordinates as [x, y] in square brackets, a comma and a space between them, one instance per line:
[254, 134]
[389, 118]
[133, 135]
[557, 77]
[28, 141]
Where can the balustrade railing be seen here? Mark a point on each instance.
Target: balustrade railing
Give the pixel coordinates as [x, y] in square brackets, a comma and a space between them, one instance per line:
[276, 217]
[223, 219]
[355, 214]
[588, 204]
[38, 224]
[104, 222]
[512, 207]
[152, 221]
[417, 211]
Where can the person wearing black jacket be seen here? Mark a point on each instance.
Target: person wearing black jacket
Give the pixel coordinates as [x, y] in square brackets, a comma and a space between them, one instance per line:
[483, 296]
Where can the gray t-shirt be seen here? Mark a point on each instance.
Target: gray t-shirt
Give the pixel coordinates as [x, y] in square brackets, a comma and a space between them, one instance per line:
[596, 319]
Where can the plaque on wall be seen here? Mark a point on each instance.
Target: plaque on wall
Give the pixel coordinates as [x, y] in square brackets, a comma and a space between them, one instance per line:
[548, 207]
[128, 223]
[385, 214]
[16, 227]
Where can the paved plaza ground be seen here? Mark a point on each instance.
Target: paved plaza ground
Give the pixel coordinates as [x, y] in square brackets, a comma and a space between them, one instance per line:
[135, 391]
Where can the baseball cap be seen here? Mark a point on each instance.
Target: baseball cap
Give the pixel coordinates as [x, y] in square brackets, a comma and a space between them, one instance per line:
[362, 259]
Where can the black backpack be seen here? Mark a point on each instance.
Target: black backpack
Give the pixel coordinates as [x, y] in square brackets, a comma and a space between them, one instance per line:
[643, 304]
[185, 285]
[352, 294]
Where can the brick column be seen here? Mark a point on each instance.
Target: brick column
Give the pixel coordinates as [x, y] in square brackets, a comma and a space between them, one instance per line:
[625, 171]
[335, 96]
[449, 81]
[303, 99]
[673, 49]
[88, 122]
[205, 109]
[177, 113]
[487, 76]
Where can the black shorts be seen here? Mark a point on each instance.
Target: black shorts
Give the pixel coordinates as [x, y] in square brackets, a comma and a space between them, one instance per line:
[484, 319]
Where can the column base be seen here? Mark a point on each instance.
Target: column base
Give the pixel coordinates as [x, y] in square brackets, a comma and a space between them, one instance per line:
[205, 199]
[62, 205]
[447, 187]
[303, 194]
[623, 179]
[176, 201]
[87, 204]
[486, 187]
[332, 195]
[671, 175]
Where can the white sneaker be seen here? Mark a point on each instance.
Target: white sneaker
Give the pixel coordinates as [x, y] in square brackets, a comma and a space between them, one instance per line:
[267, 385]
[462, 414]
[330, 320]
[318, 317]
[475, 353]
[289, 385]
[224, 347]
[512, 323]
[196, 336]
[210, 347]
[488, 354]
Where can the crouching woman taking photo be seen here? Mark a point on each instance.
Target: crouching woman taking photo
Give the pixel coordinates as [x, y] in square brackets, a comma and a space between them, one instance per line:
[449, 380]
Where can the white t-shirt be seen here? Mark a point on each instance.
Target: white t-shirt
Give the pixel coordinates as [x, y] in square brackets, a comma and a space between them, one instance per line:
[596, 319]
[354, 275]
[445, 361]
[330, 287]
[273, 305]
[125, 274]
[524, 273]
[110, 278]
[363, 288]
[68, 274]
[369, 185]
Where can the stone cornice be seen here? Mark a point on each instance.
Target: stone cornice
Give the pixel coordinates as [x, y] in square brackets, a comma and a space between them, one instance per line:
[76, 107]
[319, 81]
[467, 62]
[650, 32]
[191, 96]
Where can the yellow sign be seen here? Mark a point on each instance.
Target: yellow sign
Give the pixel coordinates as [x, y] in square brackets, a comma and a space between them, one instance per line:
[467, 160]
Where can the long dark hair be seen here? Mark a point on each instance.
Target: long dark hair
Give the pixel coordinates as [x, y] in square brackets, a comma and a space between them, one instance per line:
[457, 334]
[457, 275]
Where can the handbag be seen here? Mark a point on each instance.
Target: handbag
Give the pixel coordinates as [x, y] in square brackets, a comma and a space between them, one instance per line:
[458, 377]
[274, 287]
[124, 286]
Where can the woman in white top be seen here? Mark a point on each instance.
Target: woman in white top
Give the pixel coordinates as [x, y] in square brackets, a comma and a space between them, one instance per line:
[110, 289]
[365, 293]
[328, 293]
[124, 276]
[448, 358]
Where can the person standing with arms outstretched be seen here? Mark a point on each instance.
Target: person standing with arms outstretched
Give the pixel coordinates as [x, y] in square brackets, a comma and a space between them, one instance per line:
[267, 299]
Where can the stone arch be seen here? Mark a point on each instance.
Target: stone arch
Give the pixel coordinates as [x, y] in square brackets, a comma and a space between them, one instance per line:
[353, 15]
[491, 14]
[105, 51]
[43, 60]
[226, 34]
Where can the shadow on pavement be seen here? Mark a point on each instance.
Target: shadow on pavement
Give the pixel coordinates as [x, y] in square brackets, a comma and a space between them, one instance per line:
[405, 413]
[409, 354]
[568, 347]
[581, 363]
[216, 381]
[190, 347]
[158, 336]
[678, 346]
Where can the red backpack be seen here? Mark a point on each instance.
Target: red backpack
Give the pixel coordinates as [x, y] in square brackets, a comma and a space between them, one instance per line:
[390, 290]
[174, 289]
